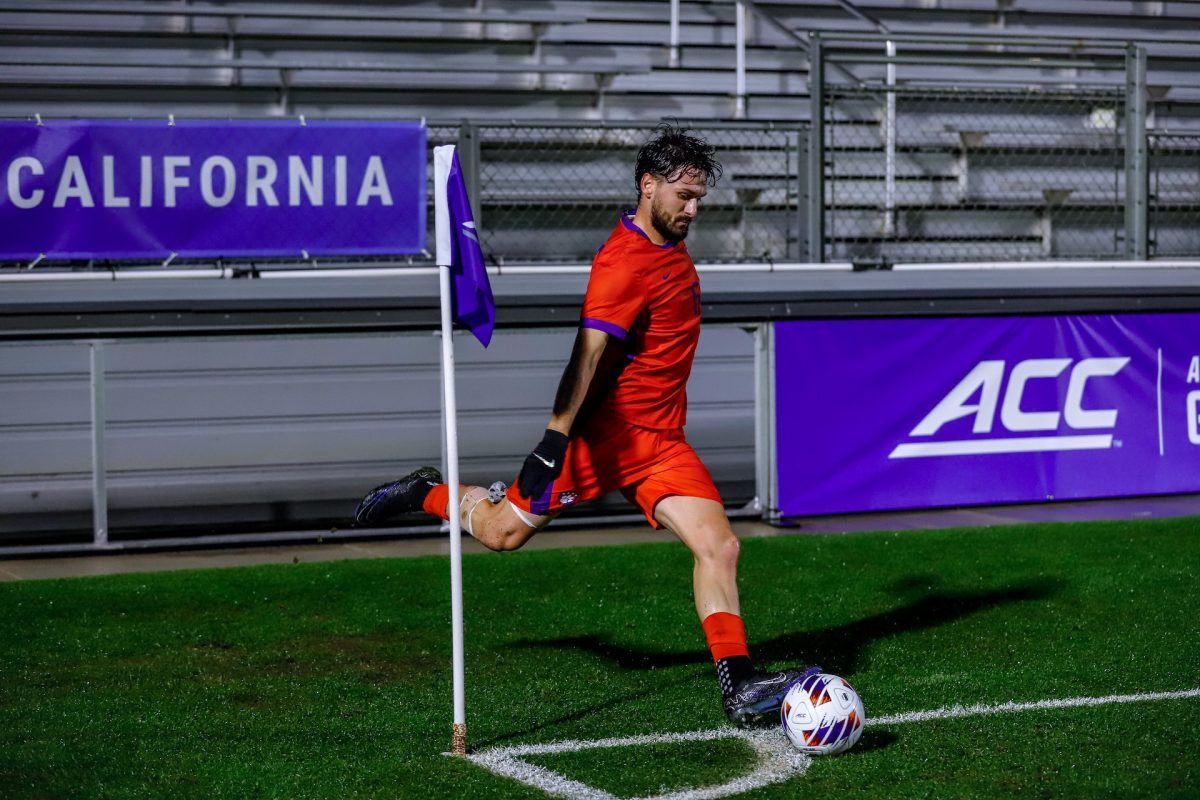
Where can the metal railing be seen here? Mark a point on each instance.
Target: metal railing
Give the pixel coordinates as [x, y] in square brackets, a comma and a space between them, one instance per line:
[917, 170]
[1174, 193]
[552, 191]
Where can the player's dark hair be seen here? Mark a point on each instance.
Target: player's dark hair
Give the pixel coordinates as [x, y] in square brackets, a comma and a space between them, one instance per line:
[674, 153]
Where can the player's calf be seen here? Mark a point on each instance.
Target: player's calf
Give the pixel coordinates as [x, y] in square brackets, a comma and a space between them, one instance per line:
[486, 514]
[499, 524]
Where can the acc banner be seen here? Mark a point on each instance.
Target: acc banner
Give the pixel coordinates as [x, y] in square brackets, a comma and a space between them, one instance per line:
[912, 413]
[146, 189]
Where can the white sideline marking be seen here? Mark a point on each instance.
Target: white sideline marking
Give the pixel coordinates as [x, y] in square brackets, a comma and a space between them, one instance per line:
[777, 759]
[1008, 708]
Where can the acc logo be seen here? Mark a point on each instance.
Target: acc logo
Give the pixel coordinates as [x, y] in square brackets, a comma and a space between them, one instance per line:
[568, 498]
[986, 379]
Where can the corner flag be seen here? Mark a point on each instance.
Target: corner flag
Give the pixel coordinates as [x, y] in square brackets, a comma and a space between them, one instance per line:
[466, 298]
[471, 299]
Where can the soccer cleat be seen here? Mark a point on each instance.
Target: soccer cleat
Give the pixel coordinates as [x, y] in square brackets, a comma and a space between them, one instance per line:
[390, 500]
[756, 700]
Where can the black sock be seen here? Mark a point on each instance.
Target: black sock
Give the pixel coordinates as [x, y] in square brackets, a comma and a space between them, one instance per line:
[731, 672]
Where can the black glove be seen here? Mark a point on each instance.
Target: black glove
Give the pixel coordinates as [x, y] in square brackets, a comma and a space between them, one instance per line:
[543, 465]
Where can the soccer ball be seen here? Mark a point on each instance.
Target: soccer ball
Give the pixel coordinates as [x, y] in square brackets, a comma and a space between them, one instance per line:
[823, 715]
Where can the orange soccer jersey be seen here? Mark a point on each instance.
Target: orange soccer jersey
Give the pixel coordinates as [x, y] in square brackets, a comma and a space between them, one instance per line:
[648, 296]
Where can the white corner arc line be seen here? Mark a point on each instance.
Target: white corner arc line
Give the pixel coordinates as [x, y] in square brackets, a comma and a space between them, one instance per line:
[777, 759]
[549, 781]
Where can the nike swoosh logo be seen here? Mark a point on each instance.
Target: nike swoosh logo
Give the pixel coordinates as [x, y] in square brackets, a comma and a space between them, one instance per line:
[666, 275]
[549, 463]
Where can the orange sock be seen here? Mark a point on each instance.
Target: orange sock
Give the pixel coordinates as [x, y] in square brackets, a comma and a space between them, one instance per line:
[726, 635]
[439, 497]
[437, 500]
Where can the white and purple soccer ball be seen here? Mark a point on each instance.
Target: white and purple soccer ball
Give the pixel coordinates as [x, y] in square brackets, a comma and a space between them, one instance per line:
[823, 715]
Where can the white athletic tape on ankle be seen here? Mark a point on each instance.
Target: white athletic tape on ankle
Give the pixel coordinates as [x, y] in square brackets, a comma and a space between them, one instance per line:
[478, 494]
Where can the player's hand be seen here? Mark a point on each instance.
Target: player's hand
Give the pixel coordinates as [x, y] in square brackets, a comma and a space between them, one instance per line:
[543, 465]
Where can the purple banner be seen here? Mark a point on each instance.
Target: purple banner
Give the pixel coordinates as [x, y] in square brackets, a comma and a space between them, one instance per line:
[146, 189]
[914, 413]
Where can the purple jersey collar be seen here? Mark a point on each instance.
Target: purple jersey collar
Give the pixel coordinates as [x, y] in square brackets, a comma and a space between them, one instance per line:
[627, 221]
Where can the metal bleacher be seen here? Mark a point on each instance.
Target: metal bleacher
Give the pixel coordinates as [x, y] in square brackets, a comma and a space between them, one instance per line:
[1042, 181]
[574, 59]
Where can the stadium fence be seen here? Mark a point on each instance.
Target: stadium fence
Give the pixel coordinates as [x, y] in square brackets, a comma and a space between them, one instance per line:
[1053, 159]
[1174, 193]
[1033, 165]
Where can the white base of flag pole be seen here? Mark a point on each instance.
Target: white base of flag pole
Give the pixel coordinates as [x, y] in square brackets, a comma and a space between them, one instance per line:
[458, 744]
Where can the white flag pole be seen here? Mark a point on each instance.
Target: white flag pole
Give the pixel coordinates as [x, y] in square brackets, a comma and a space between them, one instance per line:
[442, 159]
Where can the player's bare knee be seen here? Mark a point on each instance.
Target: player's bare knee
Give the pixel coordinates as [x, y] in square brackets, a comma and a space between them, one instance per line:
[727, 550]
[731, 549]
[717, 545]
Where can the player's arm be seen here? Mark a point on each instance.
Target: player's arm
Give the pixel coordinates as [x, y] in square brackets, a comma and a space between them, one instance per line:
[577, 378]
[615, 296]
[544, 464]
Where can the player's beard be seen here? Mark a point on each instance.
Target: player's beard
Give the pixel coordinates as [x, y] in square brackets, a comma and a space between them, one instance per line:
[675, 231]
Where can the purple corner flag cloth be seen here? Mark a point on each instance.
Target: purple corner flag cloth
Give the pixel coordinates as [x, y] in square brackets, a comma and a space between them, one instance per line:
[472, 303]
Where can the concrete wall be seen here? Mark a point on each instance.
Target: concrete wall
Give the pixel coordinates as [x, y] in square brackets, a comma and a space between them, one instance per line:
[292, 430]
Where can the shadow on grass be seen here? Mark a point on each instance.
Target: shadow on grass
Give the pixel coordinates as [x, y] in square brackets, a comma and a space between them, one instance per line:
[838, 649]
[871, 740]
[588, 711]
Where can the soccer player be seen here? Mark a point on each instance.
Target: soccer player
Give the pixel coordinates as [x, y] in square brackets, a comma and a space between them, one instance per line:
[618, 417]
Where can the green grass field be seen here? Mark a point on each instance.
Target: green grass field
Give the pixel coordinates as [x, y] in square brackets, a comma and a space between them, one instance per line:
[333, 680]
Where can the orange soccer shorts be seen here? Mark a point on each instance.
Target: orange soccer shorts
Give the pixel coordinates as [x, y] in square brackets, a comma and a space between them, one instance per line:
[645, 465]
